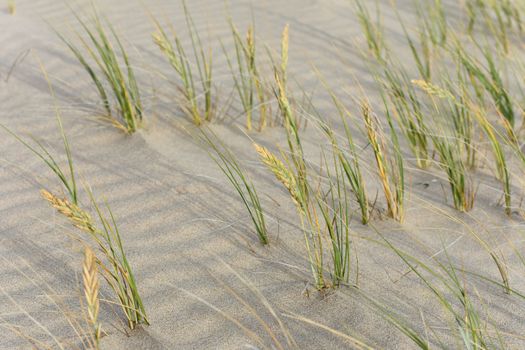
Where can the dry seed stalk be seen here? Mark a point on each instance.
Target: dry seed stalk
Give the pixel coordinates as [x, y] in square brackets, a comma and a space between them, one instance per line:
[118, 272]
[91, 290]
[281, 172]
[78, 217]
[379, 152]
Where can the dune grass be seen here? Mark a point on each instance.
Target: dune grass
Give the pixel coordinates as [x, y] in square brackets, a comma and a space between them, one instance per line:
[434, 20]
[195, 70]
[490, 79]
[459, 179]
[446, 126]
[91, 293]
[116, 271]
[104, 58]
[248, 81]
[333, 203]
[292, 174]
[466, 108]
[44, 335]
[229, 165]
[372, 29]
[351, 168]
[408, 111]
[499, 17]
[347, 154]
[448, 287]
[390, 166]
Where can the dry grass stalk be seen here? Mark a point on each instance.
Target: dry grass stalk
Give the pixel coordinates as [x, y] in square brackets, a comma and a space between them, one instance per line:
[78, 217]
[246, 77]
[91, 290]
[117, 272]
[281, 172]
[391, 180]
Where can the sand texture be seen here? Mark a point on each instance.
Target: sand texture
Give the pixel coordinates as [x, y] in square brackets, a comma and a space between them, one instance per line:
[182, 224]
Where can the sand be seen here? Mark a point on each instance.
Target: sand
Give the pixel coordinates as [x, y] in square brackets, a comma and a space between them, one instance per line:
[180, 219]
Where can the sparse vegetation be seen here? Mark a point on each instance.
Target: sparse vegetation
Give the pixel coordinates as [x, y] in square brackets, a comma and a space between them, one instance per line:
[194, 70]
[247, 79]
[390, 167]
[244, 187]
[448, 112]
[111, 71]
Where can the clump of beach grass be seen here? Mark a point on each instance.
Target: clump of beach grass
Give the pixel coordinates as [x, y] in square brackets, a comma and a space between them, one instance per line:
[292, 173]
[193, 70]
[467, 108]
[459, 179]
[111, 71]
[248, 81]
[490, 79]
[334, 206]
[237, 176]
[349, 162]
[408, 111]
[390, 167]
[324, 213]
[42, 335]
[348, 157]
[117, 271]
[372, 29]
[499, 17]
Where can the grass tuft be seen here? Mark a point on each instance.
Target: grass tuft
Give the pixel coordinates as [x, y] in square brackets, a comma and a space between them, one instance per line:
[117, 271]
[390, 169]
[247, 80]
[192, 71]
[111, 71]
[229, 165]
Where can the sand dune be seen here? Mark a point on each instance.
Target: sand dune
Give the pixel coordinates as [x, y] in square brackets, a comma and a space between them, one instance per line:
[178, 215]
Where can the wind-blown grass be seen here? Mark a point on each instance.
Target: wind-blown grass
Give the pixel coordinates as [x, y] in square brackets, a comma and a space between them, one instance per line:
[499, 17]
[193, 70]
[490, 79]
[470, 329]
[244, 187]
[247, 80]
[408, 111]
[111, 72]
[292, 174]
[390, 168]
[461, 185]
[335, 210]
[373, 31]
[348, 158]
[472, 111]
[117, 272]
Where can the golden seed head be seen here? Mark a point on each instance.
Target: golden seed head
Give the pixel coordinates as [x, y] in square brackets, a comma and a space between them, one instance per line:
[281, 172]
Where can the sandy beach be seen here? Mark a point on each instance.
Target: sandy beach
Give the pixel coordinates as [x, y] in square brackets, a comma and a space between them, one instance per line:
[185, 231]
